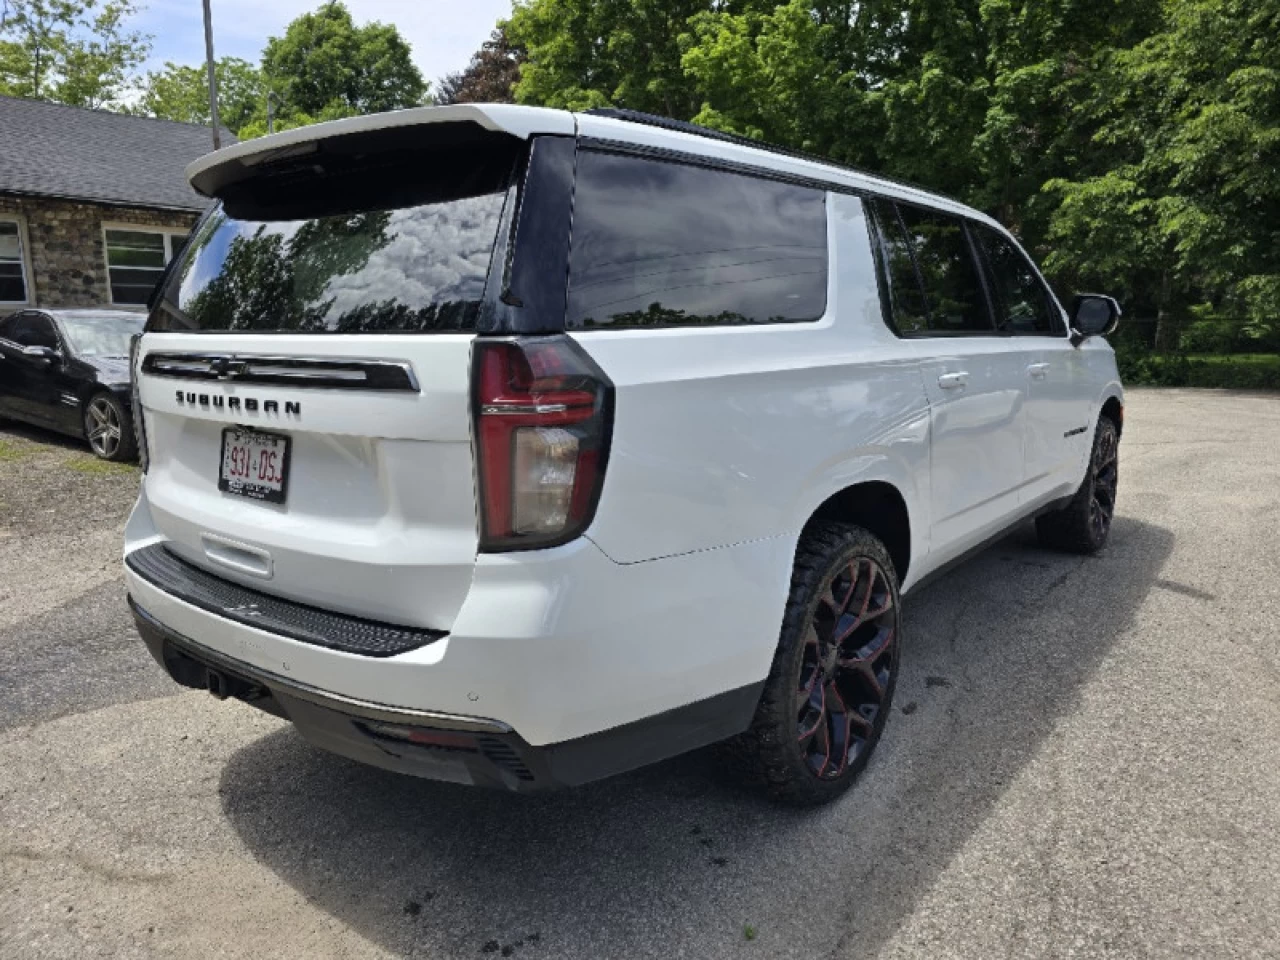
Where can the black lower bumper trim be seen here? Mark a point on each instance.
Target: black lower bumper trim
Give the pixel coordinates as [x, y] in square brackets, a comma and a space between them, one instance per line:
[442, 747]
[297, 621]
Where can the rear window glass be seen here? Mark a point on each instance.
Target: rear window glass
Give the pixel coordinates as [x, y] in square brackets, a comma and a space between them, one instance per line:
[416, 268]
[666, 244]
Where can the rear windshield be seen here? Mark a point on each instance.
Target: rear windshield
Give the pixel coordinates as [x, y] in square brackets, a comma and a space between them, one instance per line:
[403, 245]
[420, 268]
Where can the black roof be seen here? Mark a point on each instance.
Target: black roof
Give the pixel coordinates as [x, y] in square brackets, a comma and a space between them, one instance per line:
[53, 150]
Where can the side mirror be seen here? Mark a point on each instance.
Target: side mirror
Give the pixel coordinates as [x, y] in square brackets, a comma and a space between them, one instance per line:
[40, 354]
[1093, 315]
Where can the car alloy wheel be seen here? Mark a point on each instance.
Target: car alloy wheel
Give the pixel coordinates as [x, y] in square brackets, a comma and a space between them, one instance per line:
[103, 428]
[1105, 467]
[847, 669]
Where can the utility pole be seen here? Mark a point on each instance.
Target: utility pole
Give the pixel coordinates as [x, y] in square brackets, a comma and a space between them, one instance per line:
[213, 80]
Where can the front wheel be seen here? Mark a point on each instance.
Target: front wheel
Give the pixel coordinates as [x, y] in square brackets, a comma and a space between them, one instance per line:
[1082, 525]
[830, 687]
[108, 428]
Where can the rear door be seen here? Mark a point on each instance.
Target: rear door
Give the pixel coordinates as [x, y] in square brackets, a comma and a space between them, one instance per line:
[974, 376]
[1058, 397]
[305, 376]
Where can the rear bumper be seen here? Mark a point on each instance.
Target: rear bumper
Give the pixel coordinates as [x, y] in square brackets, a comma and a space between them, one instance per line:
[440, 746]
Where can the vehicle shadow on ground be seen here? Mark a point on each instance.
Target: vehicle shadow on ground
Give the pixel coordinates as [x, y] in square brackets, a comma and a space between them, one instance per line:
[49, 438]
[678, 858]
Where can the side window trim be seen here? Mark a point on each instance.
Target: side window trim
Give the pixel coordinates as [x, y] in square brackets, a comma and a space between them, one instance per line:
[871, 214]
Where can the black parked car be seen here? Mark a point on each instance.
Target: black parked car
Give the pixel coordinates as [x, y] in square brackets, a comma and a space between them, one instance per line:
[68, 370]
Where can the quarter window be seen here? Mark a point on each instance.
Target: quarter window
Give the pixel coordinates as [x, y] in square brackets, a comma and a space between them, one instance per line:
[906, 299]
[1022, 302]
[658, 244]
[953, 288]
[136, 259]
[13, 272]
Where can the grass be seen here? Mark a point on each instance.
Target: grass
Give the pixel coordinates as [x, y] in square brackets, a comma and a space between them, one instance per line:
[12, 451]
[91, 465]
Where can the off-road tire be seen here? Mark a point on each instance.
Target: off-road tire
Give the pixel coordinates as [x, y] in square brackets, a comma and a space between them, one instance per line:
[769, 750]
[1085, 523]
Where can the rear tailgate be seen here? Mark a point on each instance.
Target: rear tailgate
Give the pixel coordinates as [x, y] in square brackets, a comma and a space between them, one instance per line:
[378, 516]
[368, 244]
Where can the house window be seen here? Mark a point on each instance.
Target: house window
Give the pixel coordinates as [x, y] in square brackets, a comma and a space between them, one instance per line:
[13, 270]
[135, 260]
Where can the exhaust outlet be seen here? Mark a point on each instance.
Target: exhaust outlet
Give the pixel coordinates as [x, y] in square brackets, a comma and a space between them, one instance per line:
[216, 683]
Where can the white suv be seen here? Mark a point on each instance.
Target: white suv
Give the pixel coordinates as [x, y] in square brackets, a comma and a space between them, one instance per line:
[519, 447]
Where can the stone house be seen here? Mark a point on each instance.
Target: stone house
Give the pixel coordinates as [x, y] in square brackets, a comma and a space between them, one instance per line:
[92, 204]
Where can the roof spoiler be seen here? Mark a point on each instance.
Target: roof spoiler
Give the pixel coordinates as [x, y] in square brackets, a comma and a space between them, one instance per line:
[214, 171]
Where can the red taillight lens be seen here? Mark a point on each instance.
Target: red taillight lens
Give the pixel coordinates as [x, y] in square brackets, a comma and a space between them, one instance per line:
[542, 418]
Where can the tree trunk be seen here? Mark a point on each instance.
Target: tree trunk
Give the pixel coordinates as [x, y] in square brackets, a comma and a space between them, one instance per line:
[1167, 332]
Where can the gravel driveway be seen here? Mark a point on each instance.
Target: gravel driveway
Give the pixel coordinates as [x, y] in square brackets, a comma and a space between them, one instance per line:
[1084, 761]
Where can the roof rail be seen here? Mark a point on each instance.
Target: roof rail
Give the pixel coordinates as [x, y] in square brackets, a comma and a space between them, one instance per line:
[684, 126]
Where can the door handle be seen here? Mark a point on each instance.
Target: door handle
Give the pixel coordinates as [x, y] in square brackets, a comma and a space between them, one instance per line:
[1038, 371]
[953, 381]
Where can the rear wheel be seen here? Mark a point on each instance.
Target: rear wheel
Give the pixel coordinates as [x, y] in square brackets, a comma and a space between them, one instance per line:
[1083, 525]
[830, 687]
[108, 428]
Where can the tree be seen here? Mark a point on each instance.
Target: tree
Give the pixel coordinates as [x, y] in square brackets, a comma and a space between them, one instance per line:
[599, 53]
[180, 92]
[490, 77]
[1185, 214]
[72, 51]
[326, 67]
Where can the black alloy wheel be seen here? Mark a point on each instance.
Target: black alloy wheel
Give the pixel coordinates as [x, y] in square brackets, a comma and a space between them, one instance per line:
[1105, 467]
[830, 689]
[1083, 525]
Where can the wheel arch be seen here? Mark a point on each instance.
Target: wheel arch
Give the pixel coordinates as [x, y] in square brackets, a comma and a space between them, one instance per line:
[1113, 410]
[877, 506]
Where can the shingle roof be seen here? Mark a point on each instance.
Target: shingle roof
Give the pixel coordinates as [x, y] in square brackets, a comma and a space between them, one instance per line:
[50, 149]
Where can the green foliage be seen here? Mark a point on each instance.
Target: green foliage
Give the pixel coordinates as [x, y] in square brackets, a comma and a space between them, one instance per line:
[78, 52]
[1235, 371]
[181, 92]
[325, 67]
[1135, 146]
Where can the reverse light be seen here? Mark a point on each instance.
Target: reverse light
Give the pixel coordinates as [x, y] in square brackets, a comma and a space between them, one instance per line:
[542, 413]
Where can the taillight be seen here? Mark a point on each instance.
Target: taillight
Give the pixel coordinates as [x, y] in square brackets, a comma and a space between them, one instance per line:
[542, 414]
[139, 423]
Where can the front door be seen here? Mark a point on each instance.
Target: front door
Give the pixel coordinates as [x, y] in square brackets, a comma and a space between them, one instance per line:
[1057, 420]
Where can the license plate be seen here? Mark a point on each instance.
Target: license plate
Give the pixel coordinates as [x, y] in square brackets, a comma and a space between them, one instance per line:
[254, 464]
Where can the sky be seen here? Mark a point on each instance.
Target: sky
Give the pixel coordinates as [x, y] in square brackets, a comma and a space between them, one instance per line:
[443, 33]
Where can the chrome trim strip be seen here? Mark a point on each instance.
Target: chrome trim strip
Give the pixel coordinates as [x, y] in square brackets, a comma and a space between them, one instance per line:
[349, 373]
[352, 706]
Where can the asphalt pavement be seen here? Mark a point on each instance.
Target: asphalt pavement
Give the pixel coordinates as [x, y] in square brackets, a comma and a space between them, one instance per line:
[1084, 761]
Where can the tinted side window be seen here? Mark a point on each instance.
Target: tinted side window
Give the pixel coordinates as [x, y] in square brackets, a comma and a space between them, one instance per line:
[951, 281]
[898, 270]
[9, 326]
[36, 332]
[666, 244]
[1021, 301]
